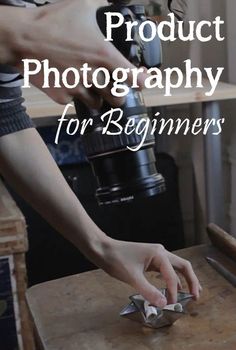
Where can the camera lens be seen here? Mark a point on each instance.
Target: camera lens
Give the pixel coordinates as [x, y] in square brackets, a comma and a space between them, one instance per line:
[126, 176]
[122, 175]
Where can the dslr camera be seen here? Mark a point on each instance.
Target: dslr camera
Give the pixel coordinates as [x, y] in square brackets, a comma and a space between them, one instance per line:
[123, 175]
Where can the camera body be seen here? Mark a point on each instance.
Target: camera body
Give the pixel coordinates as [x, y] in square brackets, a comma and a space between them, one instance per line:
[123, 175]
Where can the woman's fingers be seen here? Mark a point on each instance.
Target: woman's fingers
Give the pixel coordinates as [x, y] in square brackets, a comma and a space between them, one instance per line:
[88, 97]
[186, 269]
[179, 283]
[114, 59]
[97, 91]
[106, 92]
[148, 291]
[171, 279]
[167, 263]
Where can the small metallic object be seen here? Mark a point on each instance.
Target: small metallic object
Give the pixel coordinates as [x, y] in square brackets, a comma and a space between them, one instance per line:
[150, 311]
[140, 310]
[229, 276]
[174, 307]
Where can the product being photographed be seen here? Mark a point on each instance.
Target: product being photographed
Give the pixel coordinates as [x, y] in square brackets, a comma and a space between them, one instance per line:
[151, 316]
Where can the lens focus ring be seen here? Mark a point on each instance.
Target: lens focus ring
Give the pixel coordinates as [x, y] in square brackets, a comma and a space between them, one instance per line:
[97, 144]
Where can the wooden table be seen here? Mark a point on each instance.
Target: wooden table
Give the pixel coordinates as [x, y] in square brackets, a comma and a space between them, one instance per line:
[46, 112]
[81, 312]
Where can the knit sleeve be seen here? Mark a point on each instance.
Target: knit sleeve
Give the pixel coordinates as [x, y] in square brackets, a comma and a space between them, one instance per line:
[13, 117]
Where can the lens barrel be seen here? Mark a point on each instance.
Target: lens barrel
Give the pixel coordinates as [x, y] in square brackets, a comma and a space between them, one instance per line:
[122, 175]
[127, 176]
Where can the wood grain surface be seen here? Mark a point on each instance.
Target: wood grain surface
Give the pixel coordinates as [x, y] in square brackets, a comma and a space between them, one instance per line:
[82, 312]
[44, 111]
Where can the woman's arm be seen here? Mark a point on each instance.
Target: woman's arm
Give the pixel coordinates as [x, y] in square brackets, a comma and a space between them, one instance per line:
[27, 164]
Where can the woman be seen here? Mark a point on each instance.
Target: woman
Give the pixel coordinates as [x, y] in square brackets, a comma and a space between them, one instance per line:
[66, 33]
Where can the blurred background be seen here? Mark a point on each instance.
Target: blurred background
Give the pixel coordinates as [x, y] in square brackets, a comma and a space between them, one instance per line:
[213, 54]
[186, 150]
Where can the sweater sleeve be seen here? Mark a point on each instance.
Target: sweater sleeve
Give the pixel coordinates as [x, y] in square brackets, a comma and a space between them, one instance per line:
[13, 116]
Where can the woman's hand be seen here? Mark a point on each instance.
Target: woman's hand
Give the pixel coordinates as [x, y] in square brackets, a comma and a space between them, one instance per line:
[67, 34]
[128, 262]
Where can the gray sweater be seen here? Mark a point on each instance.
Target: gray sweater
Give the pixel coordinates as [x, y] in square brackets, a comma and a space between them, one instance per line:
[13, 116]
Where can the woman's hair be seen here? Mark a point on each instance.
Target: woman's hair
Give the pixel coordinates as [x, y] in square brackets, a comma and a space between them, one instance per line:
[178, 7]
